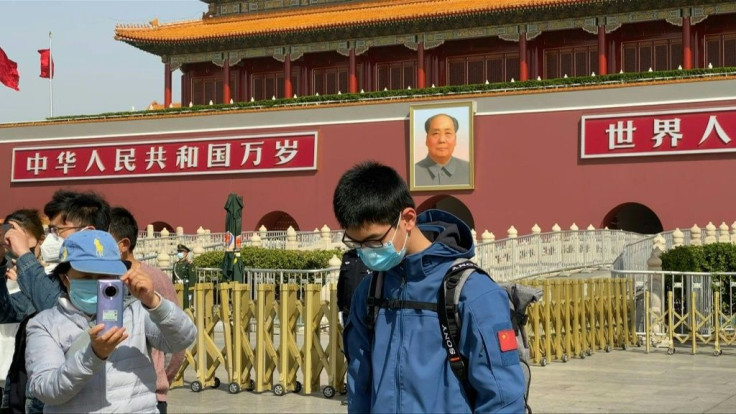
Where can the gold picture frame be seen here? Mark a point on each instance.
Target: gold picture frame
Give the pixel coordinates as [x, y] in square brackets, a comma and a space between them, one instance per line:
[436, 163]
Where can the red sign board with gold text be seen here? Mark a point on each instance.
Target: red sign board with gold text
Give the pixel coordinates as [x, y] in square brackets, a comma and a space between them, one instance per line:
[207, 155]
[695, 131]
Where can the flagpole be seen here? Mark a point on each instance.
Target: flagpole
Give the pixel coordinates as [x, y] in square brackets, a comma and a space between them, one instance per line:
[51, 78]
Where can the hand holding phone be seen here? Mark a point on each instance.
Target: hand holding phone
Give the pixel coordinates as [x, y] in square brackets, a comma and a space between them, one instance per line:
[110, 294]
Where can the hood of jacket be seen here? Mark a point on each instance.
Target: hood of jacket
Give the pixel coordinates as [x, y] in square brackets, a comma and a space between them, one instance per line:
[451, 240]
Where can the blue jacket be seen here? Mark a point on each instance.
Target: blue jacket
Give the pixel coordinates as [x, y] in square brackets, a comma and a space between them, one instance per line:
[402, 366]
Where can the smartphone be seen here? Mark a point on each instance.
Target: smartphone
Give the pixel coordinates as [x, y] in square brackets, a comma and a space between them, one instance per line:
[110, 294]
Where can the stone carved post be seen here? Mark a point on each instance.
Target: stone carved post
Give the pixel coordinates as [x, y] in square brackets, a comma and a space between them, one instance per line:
[656, 289]
[695, 236]
[197, 251]
[512, 248]
[538, 248]
[166, 241]
[163, 260]
[489, 255]
[678, 238]
[710, 233]
[334, 264]
[724, 236]
[573, 247]
[262, 231]
[326, 237]
[591, 246]
[255, 240]
[556, 244]
[291, 243]
[733, 232]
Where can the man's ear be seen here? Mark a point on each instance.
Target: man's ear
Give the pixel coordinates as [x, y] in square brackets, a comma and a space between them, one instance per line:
[409, 215]
[124, 245]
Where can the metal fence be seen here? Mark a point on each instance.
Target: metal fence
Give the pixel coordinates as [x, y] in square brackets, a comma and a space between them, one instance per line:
[535, 254]
[255, 277]
[679, 307]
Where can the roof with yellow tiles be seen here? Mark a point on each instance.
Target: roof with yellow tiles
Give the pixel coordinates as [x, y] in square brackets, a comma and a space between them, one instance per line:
[374, 12]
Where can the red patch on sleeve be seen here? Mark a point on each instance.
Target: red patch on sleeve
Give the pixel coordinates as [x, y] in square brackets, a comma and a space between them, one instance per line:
[507, 340]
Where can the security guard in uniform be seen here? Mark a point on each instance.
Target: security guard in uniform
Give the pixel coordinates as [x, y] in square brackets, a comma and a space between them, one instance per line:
[184, 273]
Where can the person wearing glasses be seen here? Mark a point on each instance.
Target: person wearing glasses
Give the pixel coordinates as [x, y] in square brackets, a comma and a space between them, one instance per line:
[398, 363]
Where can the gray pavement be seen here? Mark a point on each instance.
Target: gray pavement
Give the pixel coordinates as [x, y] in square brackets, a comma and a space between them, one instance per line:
[616, 382]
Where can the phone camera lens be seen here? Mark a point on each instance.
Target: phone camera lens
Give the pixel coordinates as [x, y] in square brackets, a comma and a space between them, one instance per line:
[111, 291]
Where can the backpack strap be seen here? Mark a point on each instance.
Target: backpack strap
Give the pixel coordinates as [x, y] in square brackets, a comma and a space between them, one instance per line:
[376, 301]
[448, 316]
[375, 297]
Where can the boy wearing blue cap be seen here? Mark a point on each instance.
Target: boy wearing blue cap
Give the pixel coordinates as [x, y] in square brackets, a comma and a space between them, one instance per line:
[72, 366]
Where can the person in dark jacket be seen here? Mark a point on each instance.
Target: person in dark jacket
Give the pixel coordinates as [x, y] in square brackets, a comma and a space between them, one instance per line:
[400, 364]
[352, 272]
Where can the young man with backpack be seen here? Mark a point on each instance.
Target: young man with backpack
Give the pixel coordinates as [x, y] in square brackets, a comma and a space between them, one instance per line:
[397, 357]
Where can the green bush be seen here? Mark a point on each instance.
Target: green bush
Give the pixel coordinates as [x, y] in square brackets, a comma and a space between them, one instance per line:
[716, 257]
[261, 258]
[683, 259]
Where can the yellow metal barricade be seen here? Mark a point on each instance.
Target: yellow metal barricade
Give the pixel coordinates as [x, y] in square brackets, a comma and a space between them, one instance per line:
[315, 359]
[243, 358]
[189, 360]
[338, 364]
[266, 354]
[225, 316]
[290, 358]
[208, 356]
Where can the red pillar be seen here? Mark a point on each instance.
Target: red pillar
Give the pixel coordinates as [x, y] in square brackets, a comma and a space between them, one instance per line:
[687, 53]
[186, 89]
[523, 64]
[602, 61]
[245, 88]
[167, 85]
[226, 82]
[352, 78]
[421, 76]
[287, 76]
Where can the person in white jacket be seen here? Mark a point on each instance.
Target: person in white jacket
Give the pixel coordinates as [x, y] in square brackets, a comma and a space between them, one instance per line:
[71, 366]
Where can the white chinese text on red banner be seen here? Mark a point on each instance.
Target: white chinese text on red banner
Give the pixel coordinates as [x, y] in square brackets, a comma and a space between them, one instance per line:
[696, 131]
[234, 154]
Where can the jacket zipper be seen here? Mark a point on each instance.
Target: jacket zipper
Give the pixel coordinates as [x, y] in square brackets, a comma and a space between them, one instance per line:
[402, 296]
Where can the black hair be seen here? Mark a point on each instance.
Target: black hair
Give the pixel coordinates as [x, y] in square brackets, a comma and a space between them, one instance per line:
[29, 220]
[58, 204]
[368, 193]
[431, 118]
[88, 209]
[61, 269]
[123, 226]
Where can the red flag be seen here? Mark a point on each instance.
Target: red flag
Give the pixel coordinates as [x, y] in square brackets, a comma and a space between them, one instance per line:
[47, 63]
[8, 71]
[507, 340]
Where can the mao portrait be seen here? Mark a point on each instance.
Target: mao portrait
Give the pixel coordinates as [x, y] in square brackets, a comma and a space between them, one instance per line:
[441, 146]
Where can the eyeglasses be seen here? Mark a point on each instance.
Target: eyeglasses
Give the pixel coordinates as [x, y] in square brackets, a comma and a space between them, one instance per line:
[58, 230]
[372, 243]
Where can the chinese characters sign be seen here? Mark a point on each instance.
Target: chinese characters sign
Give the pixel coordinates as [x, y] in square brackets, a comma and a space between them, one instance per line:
[658, 133]
[222, 155]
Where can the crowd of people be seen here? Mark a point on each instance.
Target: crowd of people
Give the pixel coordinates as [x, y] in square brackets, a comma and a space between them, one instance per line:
[400, 357]
[62, 361]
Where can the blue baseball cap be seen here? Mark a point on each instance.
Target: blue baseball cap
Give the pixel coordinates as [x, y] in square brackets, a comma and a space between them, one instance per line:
[92, 251]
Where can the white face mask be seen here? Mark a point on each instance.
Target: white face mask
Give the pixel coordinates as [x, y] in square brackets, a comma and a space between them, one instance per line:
[50, 248]
[180, 255]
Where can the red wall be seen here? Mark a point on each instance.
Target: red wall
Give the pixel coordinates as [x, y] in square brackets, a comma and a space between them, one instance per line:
[527, 171]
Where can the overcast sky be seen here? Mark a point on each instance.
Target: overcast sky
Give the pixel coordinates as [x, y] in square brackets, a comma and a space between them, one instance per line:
[94, 72]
